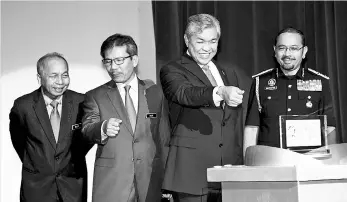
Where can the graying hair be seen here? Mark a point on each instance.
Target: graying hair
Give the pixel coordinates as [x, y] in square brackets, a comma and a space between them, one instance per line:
[42, 62]
[199, 22]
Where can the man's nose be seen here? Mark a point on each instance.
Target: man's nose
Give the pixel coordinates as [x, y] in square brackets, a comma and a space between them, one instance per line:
[206, 46]
[59, 80]
[287, 51]
[114, 65]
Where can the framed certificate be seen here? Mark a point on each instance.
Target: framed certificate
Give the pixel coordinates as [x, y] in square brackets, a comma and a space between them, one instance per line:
[303, 133]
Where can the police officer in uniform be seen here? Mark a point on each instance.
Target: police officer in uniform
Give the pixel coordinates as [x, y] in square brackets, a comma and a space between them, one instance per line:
[290, 89]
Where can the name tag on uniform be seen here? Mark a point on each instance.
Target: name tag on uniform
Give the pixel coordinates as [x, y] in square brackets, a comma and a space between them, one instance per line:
[76, 126]
[151, 115]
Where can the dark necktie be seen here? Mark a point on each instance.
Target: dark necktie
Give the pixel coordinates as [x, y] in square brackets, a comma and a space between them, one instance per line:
[130, 108]
[55, 119]
[209, 75]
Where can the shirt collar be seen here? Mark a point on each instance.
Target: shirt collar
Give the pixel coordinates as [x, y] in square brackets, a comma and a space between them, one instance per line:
[49, 100]
[300, 74]
[133, 85]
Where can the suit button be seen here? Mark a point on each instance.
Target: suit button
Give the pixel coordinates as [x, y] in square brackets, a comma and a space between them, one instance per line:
[56, 158]
[220, 145]
[135, 140]
[132, 159]
[223, 123]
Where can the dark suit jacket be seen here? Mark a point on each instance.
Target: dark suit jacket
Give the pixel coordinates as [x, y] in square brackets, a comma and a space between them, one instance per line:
[141, 154]
[47, 165]
[203, 135]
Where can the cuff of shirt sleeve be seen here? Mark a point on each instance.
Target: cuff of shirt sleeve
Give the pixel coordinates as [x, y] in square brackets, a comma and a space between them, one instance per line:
[104, 137]
[216, 98]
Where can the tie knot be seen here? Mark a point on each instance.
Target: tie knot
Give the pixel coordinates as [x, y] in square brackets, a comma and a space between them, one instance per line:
[127, 87]
[54, 104]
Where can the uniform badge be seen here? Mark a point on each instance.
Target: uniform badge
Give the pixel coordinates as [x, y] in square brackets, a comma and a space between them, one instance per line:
[271, 82]
[271, 85]
[309, 104]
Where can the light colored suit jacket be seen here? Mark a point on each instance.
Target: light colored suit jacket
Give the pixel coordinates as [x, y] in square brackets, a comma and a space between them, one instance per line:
[141, 154]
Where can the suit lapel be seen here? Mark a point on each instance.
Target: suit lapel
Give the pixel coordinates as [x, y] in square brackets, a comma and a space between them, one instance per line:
[42, 115]
[117, 102]
[66, 112]
[222, 74]
[195, 69]
[143, 107]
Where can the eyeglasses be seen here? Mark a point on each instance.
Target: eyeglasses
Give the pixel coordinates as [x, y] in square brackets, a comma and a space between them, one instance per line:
[291, 48]
[117, 61]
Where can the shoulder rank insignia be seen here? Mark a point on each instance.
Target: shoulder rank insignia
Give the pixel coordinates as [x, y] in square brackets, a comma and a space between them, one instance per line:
[263, 72]
[319, 74]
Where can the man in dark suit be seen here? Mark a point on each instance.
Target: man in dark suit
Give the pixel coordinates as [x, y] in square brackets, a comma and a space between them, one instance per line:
[45, 127]
[205, 114]
[127, 119]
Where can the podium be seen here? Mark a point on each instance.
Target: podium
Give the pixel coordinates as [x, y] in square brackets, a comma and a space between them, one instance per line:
[276, 175]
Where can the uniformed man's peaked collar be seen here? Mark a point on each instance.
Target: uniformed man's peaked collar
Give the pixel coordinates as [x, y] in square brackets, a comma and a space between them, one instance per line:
[300, 74]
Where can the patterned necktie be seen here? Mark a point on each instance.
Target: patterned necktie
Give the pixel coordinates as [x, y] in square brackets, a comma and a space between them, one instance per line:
[209, 75]
[130, 108]
[55, 119]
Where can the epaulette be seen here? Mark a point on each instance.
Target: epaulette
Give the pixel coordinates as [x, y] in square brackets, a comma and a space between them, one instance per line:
[315, 72]
[263, 72]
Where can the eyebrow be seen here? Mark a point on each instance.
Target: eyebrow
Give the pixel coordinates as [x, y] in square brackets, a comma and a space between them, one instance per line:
[198, 38]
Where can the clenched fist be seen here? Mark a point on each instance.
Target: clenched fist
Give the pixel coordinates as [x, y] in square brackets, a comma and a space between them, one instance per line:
[231, 95]
[111, 127]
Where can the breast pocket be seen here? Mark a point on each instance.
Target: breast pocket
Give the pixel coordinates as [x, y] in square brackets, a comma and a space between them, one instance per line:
[270, 105]
[309, 102]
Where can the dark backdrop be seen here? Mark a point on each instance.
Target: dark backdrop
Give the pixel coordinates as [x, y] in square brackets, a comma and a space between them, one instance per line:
[248, 32]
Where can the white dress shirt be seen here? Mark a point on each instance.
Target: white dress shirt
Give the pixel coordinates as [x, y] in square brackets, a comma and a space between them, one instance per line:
[133, 91]
[48, 104]
[215, 73]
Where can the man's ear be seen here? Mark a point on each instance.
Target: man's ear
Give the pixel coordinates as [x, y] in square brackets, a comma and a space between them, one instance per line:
[39, 79]
[135, 60]
[305, 51]
[186, 40]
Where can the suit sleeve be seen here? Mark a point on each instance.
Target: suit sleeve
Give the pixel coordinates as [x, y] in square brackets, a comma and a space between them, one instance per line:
[17, 130]
[252, 117]
[177, 88]
[164, 130]
[91, 123]
[86, 145]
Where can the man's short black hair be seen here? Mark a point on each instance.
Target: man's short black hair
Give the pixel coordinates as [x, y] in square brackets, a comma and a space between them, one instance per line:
[119, 40]
[291, 30]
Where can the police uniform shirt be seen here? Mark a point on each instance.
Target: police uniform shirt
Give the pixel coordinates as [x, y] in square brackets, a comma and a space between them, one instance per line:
[306, 93]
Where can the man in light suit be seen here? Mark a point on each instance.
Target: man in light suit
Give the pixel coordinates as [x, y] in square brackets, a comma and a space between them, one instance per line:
[205, 114]
[126, 118]
[45, 127]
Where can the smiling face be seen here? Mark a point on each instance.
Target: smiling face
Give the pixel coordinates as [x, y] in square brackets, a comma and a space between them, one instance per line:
[54, 78]
[202, 47]
[290, 60]
[122, 73]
